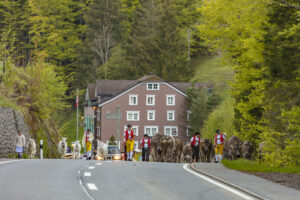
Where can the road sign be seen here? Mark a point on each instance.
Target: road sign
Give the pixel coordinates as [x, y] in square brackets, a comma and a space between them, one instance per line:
[114, 115]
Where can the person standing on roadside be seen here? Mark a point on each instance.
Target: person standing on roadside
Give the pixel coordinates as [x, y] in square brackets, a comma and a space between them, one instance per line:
[146, 145]
[129, 141]
[195, 145]
[20, 144]
[219, 145]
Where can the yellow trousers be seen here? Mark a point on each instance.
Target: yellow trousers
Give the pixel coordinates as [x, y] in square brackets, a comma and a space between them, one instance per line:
[219, 149]
[88, 146]
[129, 145]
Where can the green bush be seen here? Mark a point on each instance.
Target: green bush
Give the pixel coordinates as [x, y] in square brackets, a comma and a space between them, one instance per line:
[221, 118]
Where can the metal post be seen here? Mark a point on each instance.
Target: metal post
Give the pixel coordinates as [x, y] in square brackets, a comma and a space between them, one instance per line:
[41, 149]
[77, 112]
[118, 123]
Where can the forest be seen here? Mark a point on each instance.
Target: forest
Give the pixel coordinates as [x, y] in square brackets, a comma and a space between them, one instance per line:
[49, 48]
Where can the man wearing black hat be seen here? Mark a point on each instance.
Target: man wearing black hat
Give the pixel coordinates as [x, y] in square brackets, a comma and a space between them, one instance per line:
[146, 145]
[219, 144]
[195, 144]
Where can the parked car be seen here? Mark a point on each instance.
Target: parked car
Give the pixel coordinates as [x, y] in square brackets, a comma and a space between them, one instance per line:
[113, 152]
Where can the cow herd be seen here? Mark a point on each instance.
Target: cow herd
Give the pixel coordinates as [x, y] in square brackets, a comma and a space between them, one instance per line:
[168, 149]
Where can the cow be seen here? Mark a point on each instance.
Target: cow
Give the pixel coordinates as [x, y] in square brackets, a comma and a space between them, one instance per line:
[234, 146]
[102, 149]
[76, 150]
[62, 147]
[206, 150]
[156, 151]
[187, 153]
[226, 150]
[31, 148]
[247, 149]
[177, 151]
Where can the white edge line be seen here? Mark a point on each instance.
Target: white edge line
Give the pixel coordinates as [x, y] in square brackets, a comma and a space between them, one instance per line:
[218, 184]
[10, 161]
[82, 186]
[91, 167]
[87, 174]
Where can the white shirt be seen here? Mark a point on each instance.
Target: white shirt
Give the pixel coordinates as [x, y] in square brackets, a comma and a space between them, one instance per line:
[197, 141]
[146, 142]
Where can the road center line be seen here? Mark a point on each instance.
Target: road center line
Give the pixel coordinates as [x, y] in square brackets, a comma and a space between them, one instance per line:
[92, 186]
[87, 174]
[185, 166]
[99, 164]
[91, 167]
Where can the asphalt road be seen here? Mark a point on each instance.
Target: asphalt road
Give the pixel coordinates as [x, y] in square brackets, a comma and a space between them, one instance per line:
[88, 180]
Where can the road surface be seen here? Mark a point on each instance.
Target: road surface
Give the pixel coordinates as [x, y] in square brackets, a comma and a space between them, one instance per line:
[93, 180]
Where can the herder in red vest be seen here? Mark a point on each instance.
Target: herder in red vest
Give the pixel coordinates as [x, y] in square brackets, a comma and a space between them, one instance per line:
[146, 145]
[219, 143]
[129, 140]
[195, 144]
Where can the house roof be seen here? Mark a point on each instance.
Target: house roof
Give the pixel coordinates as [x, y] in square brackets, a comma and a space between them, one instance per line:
[108, 89]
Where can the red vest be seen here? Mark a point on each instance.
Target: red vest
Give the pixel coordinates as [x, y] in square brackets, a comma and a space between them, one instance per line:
[148, 142]
[193, 143]
[221, 138]
[127, 134]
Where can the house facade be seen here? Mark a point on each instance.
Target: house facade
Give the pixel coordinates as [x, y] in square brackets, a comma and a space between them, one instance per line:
[150, 104]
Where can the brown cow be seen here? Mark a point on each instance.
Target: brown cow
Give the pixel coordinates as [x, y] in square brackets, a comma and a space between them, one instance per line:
[234, 146]
[187, 153]
[156, 152]
[206, 150]
[247, 149]
[177, 151]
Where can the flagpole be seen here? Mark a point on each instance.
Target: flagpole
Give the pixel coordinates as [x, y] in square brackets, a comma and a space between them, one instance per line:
[77, 105]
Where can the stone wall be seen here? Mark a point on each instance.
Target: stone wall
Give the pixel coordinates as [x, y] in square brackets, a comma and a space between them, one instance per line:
[10, 122]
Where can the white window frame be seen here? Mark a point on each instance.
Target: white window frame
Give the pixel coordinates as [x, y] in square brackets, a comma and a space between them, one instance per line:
[136, 146]
[152, 86]
[170, 111]
[151, 111]
[136, 128]
[187, 130]
[133, 96]
[188, 115]
[151, 127]
[150, 95]
[133, 112]
[170, 127]
[167, 102]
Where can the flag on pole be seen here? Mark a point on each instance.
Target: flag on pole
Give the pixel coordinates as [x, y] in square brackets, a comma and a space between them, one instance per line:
[77, 100]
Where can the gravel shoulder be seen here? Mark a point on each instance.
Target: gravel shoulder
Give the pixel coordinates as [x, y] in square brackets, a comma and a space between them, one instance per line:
[261, 186]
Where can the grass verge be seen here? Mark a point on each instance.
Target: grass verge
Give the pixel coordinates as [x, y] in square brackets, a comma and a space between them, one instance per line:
[254, 166]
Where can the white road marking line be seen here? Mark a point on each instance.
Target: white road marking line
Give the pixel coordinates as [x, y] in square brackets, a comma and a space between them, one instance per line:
[109, 161]
[185, 166]
[91, 167]
[9, 161]
[87, 174]
[99, 164]
[92, 186]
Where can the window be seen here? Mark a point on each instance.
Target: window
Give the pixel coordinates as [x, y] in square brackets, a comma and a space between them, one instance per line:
[136, 146]
[152, 86]
[171, 130]
[151, 130]
[133, 115]
[188, 114]
[134, 128]
[133, 99]
[150, 100]
[170, 100]
[150, 115]
[189, 131]
[170, 115]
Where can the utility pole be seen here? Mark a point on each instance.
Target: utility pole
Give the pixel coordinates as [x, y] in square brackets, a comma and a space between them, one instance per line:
[189, 44]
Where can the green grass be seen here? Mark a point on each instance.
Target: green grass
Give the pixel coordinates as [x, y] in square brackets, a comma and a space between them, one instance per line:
[254, 166]
[69, 129]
